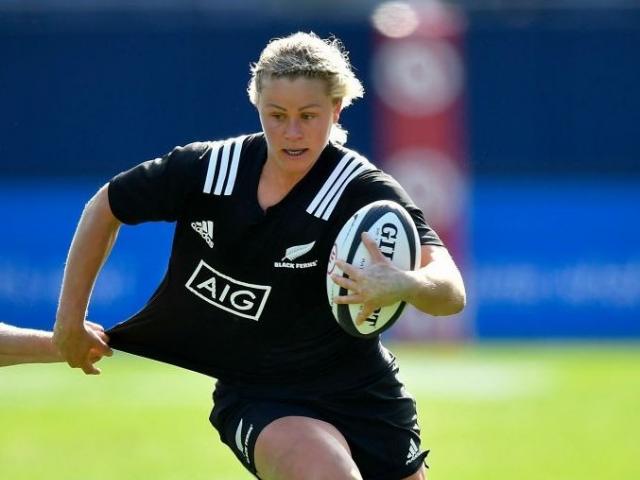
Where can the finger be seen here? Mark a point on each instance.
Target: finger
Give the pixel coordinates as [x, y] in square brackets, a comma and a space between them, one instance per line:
[94, 326]
[372, 247]
[73, 364]
[365, 312]
[347, 268]
[88, 365]
[347, 299]
[96, 355]
[345, 282]
[104, 337]
[101, 345]
[91, 370]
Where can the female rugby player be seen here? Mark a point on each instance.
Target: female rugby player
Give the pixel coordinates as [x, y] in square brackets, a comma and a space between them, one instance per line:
[296, 397]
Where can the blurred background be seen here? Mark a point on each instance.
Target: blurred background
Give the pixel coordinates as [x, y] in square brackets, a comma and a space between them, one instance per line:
[515, 125]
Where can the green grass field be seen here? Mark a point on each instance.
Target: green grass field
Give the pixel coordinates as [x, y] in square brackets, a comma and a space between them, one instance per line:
[512, 411]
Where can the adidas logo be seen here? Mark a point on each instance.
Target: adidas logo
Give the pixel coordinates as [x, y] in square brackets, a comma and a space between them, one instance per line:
[205, 229]
[414, 452]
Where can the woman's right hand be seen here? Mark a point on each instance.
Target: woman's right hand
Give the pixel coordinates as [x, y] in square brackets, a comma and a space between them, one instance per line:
[81, 344]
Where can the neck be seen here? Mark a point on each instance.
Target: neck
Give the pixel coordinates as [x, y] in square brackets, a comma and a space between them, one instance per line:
[275, 184]
[279, 178]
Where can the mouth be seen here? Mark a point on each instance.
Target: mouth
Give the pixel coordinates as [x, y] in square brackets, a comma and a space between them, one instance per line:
[294, 152]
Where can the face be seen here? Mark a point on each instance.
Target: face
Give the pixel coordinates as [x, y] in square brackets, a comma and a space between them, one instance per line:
[296, 117]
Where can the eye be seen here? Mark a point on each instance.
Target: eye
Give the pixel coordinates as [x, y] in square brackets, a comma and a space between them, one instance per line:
[308, 116]
[277, 115]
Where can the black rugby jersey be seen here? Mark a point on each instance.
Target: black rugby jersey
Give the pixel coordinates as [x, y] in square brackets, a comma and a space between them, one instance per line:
[244, 297]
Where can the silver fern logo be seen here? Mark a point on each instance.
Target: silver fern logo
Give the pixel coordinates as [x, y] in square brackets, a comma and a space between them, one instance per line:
[295, 252]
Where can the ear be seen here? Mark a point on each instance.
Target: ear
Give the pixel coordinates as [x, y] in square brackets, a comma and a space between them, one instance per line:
[337, 108]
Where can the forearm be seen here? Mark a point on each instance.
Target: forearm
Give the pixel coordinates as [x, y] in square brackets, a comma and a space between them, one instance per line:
[92, 242]
[433, 294]
[97, 230]
[437, 288]
[23, 345]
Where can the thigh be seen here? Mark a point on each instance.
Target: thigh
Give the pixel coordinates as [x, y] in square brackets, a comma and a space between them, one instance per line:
[304, 448]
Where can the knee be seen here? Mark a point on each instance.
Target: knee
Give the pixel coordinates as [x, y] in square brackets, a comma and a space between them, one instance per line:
[312, 463]
[419, 475]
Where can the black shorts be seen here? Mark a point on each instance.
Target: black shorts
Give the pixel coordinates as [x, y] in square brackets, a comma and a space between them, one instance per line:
[378, 420]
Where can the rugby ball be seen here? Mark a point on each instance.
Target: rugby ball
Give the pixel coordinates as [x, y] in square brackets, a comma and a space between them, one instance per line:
[393, 230]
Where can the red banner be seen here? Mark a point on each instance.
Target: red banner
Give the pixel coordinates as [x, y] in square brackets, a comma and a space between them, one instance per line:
[420, 129]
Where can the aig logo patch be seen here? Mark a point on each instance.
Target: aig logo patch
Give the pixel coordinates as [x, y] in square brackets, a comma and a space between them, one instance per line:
[246, 300]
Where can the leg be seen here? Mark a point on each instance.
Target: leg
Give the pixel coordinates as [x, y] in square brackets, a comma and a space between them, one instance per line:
[302, 448]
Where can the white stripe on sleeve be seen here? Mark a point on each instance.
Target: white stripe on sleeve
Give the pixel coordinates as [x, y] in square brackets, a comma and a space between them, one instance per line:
[237, 148]
[211, 170]
[329, 183]
[224, 165]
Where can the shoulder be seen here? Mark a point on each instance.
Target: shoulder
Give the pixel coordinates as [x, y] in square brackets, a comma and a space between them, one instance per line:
[340, 167]
[344, 156]
[229, 148]
[363, 174]
[256, 140]
[223, 159]
[211, 158]
[365, 183]
[191, 149]
[366, 172]
[350, 168]
[202, 149]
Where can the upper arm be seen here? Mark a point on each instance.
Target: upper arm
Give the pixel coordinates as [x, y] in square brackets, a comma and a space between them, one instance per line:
[439, 263]
[435, 253]
[439, 266]
[102, 206]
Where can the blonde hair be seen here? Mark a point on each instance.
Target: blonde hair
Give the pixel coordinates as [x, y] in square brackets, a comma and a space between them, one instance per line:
[307, 55]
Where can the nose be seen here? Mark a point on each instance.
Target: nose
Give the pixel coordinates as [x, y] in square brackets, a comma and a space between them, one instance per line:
[293, 130]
